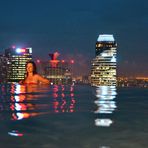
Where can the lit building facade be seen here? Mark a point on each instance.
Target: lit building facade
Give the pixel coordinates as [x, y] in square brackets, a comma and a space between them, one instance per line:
[103, 67]
[60, 74]
[58, 71]
[17, 58]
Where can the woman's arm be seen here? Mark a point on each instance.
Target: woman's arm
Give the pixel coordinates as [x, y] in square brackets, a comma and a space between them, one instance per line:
[43, 80]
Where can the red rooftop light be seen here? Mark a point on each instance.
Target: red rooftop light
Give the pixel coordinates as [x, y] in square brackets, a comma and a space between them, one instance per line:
[63, 61]
[72, 61]
[38, 61]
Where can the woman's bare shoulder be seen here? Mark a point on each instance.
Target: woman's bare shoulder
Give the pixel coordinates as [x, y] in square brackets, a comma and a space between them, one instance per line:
[37, 75]
[41, 79]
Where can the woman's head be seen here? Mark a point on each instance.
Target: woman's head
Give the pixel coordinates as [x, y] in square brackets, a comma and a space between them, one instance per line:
[31, 67]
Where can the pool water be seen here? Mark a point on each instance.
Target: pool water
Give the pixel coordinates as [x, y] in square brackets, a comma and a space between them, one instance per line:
[80, 116]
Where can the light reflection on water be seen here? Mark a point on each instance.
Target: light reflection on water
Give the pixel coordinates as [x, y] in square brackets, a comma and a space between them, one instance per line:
[106, 104]
[64, 116]
[25, 101]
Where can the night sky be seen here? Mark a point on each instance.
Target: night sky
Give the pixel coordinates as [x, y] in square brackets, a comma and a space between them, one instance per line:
[71, 27]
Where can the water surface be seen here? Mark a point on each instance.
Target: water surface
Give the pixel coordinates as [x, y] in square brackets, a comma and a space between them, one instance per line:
[77, 116]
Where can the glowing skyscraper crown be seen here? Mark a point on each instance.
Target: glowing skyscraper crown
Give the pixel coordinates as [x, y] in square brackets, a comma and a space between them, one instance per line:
[105, 38]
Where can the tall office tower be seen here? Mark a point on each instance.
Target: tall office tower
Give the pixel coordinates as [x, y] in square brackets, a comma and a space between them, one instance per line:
[103, 68]
[17, 58]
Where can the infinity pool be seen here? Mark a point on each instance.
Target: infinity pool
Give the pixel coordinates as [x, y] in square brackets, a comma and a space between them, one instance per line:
[77, 116]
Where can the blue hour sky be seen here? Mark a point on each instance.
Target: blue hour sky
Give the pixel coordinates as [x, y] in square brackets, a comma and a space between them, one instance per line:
[71, 27]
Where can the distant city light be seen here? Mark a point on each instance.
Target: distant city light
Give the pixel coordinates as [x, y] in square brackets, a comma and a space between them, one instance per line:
[13, 46]
[38, 61]
[72, 61]
[20, 50]
[63, 61]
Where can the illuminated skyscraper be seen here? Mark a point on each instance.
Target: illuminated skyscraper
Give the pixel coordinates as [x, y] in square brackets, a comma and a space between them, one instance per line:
[103, 68]
[17, 58]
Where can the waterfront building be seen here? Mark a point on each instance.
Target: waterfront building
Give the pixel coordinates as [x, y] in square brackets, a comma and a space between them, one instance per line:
[3, 69]
[103, 66]
[58, 71]
[17, 58]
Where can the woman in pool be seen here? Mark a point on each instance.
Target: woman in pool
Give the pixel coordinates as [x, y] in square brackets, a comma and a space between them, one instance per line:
[32, 77]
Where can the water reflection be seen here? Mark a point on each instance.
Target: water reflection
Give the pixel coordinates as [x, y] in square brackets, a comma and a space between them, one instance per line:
[105, 102]
[15, 133]
[25, 101]
[64, 104]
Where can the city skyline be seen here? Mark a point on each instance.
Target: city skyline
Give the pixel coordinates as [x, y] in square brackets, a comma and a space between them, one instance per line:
[72, 28]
